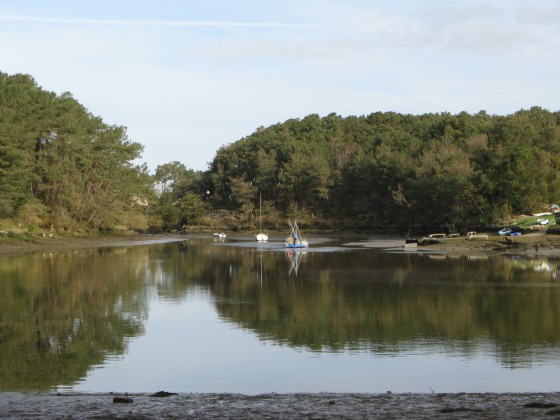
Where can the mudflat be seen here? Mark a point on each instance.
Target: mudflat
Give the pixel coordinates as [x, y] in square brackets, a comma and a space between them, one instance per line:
[285, 406]
[538, 243]
[10, 245]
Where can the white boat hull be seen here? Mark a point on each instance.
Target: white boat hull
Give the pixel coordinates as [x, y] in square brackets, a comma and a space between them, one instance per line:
[261, 237]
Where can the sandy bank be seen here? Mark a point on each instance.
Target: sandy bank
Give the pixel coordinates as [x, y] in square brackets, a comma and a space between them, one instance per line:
[285, 406]
[14, 245]
[528, 244]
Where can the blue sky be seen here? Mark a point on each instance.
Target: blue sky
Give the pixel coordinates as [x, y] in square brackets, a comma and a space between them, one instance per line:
[187, 77]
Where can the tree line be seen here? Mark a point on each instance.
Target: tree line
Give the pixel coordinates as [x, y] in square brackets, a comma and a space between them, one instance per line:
[62, 168]
[390, 170]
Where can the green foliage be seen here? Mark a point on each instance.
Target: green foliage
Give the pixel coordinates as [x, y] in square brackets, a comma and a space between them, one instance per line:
[392, 170]
[528, 221]
[192, 208]
[181, 200]
[169, 174]
[68, 164]
[63, 168]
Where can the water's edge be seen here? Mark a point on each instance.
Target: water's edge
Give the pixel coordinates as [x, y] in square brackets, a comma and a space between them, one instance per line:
[327, 405]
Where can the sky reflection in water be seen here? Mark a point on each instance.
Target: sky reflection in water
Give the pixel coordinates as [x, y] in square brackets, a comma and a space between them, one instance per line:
[236, 317]
[189, 347]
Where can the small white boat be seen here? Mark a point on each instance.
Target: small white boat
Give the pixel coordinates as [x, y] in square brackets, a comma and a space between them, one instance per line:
[220, 235]
[261, 237]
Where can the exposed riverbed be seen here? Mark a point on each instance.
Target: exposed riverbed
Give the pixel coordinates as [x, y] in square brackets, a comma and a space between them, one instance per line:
[285, 406]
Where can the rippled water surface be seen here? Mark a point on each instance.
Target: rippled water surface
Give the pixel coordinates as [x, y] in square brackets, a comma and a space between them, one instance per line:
[345, 315]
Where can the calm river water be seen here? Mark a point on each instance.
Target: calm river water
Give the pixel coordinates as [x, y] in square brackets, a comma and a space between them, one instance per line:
[200, 315]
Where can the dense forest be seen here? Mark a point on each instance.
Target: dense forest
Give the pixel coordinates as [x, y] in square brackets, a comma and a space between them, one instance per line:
[63, 169]
[392, 170]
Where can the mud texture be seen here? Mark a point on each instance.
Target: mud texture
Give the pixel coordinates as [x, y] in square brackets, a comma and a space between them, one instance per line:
[535, 244]
[279, 406]
[18, 245]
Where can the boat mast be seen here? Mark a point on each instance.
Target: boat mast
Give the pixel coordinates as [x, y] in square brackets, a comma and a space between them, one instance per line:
[260, 213]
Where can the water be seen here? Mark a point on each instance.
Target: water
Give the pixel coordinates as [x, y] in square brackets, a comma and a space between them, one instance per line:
[201, 315]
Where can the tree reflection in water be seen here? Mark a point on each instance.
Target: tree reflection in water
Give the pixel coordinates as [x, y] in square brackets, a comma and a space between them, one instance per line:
[62, 313]
[374, 301]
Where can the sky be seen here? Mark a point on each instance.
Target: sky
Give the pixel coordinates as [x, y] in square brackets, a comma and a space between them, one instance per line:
[187, 77]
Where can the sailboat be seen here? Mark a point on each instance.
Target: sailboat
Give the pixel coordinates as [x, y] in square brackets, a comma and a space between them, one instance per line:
[295, 240]
[261, 237]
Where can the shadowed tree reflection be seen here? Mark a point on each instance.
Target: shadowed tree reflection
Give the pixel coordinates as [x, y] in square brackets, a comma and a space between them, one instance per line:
[368, 301]
[63, 312]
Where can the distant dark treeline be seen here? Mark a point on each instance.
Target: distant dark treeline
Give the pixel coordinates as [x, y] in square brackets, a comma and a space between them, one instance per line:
[393, 170]
[65, 169]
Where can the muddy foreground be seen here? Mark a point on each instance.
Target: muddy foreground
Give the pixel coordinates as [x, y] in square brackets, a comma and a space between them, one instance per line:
[285, 406]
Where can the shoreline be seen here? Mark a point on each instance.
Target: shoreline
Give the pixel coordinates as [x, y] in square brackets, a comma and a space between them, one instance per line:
[59, 243]
[286, 406]
[532, 244]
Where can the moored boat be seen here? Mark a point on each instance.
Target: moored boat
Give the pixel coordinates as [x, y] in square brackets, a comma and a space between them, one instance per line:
[295, 240]
[261, 237]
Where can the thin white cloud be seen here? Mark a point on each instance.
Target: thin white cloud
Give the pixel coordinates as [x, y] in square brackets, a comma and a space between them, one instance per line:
[161, 23]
